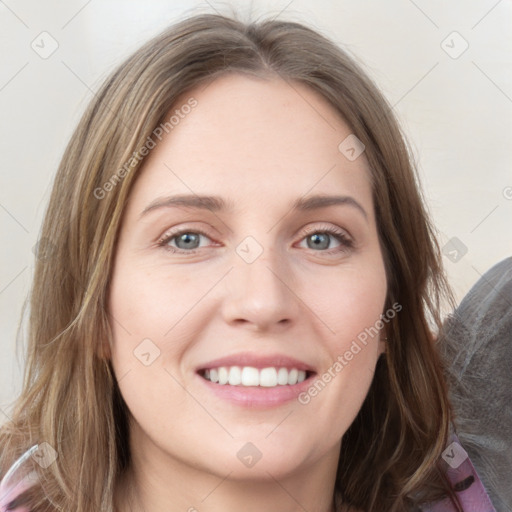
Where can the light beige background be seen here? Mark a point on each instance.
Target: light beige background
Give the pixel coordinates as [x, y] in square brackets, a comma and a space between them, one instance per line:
[455, 108]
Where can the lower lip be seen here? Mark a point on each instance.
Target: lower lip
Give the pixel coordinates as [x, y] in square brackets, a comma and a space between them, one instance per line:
[257, 396]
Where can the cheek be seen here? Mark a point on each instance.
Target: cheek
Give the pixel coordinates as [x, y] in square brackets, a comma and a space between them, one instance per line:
[137, 326]
[352, 307]
[352, 301]
[149, 304]
[155, 317]
[144, 312]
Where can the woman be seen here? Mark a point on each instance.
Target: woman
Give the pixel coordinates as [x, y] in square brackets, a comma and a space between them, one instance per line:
[284, 363]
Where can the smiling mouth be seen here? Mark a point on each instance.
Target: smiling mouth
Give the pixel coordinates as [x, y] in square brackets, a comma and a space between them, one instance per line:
[248, 376]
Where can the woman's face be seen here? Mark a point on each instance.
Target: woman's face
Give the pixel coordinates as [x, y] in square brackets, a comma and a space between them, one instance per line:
[249, 279]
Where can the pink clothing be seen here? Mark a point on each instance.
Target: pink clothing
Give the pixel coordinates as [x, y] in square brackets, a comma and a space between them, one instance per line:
[464, 480]
[17, 480]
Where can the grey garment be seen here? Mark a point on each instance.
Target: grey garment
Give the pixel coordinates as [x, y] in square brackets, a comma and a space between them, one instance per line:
[477, 345]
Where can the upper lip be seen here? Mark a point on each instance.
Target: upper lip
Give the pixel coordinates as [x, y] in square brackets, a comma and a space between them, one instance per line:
[257, 361]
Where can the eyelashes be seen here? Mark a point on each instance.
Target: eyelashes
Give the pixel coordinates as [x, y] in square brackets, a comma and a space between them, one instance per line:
[164, 242]
[341, 236]
[327, 233]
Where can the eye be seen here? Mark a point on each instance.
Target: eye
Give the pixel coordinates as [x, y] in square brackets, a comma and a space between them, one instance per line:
[319, 239]
[186, 241]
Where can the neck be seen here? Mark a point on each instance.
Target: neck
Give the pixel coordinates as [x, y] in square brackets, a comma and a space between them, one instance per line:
[226, 496]
[163, 484]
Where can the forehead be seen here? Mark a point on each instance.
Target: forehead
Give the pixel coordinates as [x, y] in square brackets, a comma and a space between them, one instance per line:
[253, 139]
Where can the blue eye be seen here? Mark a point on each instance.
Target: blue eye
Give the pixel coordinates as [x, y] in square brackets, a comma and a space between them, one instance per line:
[318, 239]
[186, 241]
[321, 239]
[189, 240]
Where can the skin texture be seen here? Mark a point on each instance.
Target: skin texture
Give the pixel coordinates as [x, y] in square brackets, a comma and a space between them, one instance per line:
[260, 144]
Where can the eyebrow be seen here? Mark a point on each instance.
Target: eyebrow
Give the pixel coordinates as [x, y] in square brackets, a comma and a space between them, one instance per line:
[218, 204]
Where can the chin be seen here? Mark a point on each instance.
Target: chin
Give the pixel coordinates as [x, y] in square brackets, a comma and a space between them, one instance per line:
[263, 459]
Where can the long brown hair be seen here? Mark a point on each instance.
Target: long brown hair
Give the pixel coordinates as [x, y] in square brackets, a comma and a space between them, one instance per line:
[70, 400]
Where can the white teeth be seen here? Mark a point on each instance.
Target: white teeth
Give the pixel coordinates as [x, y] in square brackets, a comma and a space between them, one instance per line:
[268, 377]
[223, 375]
[214, 375]
[282, 376]
[292, 377]
[248, 376]
[235, 376]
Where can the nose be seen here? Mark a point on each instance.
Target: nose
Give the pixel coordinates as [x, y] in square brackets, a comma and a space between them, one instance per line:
[260, 294]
